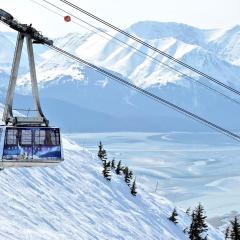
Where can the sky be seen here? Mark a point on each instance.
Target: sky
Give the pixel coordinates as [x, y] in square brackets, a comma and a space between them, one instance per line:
[123, 13]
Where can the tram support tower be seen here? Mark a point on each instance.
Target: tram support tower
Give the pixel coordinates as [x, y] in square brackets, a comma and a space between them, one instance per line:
[8, 118]
[31, 35]
[27, 141]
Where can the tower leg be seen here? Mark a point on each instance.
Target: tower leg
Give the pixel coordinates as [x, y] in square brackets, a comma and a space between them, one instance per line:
[7, 115]
[34, 79]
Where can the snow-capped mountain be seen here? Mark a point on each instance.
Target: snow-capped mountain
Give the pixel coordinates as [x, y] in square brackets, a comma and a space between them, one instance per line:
[203, 49]
[212, 51]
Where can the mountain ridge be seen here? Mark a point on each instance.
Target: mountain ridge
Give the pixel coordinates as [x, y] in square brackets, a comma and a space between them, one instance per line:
[56, 72]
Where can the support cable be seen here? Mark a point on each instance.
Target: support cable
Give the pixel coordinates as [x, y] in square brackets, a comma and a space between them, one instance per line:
[125, 44]
[149, 94]
[152, 47]
[121, 80]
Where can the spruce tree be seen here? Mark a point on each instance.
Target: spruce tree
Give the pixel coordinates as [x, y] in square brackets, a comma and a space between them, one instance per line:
[198, 225]
[102, 154]
[188, 211]
[173, 216]
[113, 164]
[126, 176]
[106, 171]
[100, 149]
[119, 168]
[133, 188]
[131, 174]
[192, 229]
[227, 233]
[124, 169]
[235, 232]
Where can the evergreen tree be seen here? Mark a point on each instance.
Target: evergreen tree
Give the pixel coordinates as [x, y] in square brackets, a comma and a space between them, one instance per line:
[188, 211]
[192, 230]
[126, 176]
[198, 225]
[100, 149]
[124, 170]
[227, 233]
[130, 174]
[113, 164]
[107, 170]
[102, 154]
[133, 188]
[173, 216]
[119, 168]
[235, 232]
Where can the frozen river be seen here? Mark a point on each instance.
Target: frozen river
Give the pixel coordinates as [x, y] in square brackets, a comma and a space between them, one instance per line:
[187, 168]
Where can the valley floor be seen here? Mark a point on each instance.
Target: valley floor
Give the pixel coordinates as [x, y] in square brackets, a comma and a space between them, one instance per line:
[187, 167]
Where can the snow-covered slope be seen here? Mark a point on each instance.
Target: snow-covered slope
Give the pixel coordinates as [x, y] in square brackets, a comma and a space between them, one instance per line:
[182, 42]
[74, 201]
[208, 50]
[227, 45]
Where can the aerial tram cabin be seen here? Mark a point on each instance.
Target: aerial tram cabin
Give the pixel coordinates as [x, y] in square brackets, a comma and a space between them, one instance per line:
[30, 146]
[27, 141]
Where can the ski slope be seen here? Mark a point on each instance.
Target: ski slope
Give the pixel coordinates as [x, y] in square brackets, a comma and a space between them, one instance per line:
[73, 201]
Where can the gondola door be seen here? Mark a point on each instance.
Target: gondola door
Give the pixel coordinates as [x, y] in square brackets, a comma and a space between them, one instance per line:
[25, 143]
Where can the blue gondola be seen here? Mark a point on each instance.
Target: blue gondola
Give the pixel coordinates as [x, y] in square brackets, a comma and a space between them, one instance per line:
[30, 146]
